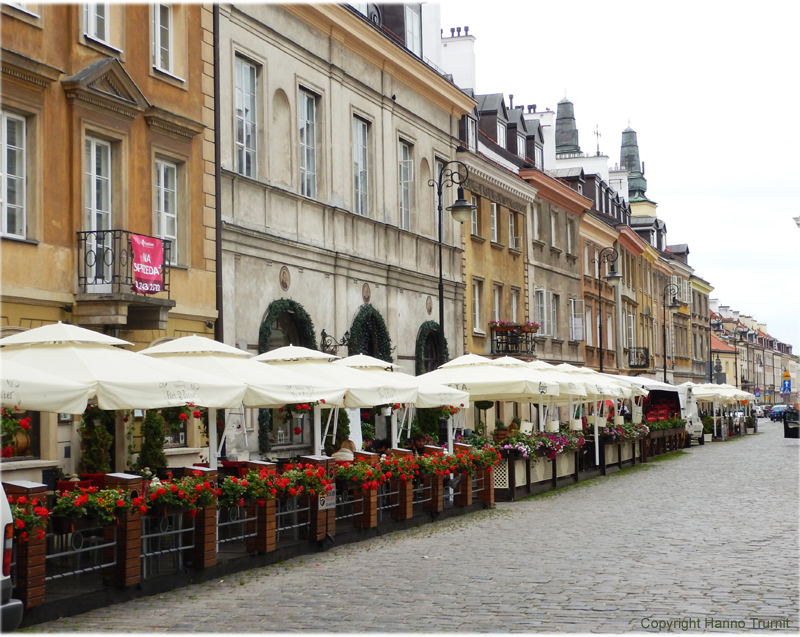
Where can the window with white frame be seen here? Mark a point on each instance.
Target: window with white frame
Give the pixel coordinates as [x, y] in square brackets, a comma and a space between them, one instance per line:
[307, 118]
[540, 309]
[553, 226]
[477, 292]
[512, 231]
[570, 234]
[97, 204]
[95, 21]
[630, 331]
[589, 327]
[537, 219]
[413, 29]
[609, 331]
[514, 305]
[501, 134]
[472, 134]
[555, 300]
[13, 165]
[162, 37]
[539, 157]
[475, 226]
[576, 319]
[586, 262]
[521, 146]
[493, 219]
[246, 126]
[406, 181]
[166, 205]
[360, 171]
[497, 297]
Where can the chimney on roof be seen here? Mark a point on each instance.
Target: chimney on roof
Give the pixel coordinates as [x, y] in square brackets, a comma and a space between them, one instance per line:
[531, 108]
[458, 30]
[466, 30]
[452, 32]
[510, 101]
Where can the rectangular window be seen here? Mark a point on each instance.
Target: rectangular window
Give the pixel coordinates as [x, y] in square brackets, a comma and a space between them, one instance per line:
[413, 29]
[97, 205]
[540, 310]
[246, 128]
[589, 339]
[553, 225]
[475, 227]
[554, 303]
[609, 331]
[496, 300]
[539, 159]
[95, 21]
[493, 217]
[477, 291]
[512, 232]
[472, 134]
[570, 230]
[514, 305]
[162, 37]
[537, 218]
[307, 117]
[501, 134]
[521, 146]
[13, 171]
[360, 174]
[586, 261]
[576, 319]
[166, 204]
[406, 181]
[631, 331]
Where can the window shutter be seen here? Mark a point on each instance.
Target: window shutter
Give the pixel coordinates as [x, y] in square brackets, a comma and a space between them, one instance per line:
[553, 315]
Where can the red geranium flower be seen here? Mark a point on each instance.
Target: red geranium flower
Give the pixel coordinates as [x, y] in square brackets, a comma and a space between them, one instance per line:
[143, 509]
[40, 534]
[196, 413]
[297, 431]
[182, 416]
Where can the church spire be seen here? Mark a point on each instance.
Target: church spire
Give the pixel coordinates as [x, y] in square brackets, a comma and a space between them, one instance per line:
[566, 130]
[629, 158]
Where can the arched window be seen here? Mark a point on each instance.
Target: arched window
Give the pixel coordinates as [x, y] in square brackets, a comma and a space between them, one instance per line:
[368, 335]
[427, 355]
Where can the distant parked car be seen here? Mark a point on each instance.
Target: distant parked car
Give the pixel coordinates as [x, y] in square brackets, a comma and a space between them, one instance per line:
[758, 411]
[776, 413]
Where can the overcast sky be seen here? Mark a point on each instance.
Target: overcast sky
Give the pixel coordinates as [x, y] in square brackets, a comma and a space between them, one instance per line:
[711, 89]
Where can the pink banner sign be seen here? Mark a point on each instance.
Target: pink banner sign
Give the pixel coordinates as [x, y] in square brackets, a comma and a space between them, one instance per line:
[148, 257]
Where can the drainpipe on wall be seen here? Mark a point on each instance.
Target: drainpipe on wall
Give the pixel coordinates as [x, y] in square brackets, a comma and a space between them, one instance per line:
[219, 333]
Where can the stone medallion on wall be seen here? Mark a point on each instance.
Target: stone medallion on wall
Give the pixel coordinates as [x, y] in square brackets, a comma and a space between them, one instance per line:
[366, 293]
[285, 278]
[429, 305]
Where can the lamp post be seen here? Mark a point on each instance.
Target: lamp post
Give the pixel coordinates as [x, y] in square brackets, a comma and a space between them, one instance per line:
[607, 255]
[449, 175]
[671, 289]
[736, 355]
[763, 379]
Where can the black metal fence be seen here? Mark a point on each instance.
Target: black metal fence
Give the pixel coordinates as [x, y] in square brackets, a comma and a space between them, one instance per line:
[513, 342]
[165, 541]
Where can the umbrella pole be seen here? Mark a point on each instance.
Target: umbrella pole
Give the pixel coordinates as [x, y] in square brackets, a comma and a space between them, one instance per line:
[317, 430]
[541, 414]
[394, 428]
[212, 438]
[596, 441]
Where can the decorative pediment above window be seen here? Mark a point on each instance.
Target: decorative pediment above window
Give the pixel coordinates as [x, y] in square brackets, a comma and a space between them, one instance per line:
[172, 124]
[29, 70]
[107, 85]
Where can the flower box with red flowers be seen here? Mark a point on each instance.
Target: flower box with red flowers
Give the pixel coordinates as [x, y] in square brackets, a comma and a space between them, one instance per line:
[92, 506]
[359, 475]
[30, 517]
[301, 479]
[187, 493]
[399, 468]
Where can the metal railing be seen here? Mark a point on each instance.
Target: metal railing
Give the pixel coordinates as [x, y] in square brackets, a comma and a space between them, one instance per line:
[513, 342]
[75, 553]
[347, 505]
[165, 539]
[293, 519]
[105, 262]
[638, 357]
[233, 524]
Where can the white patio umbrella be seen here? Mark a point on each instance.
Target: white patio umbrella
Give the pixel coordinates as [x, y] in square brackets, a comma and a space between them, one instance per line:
[430, 394]
[30, 389]
[266, 386]
[362, 389]
[117, 378]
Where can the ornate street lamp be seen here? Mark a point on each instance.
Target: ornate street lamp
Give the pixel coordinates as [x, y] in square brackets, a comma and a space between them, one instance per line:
[671, 289]
[607, 255]
[451, 174]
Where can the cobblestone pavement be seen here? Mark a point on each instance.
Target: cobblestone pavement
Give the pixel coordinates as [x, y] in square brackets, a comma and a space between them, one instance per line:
[709, 536]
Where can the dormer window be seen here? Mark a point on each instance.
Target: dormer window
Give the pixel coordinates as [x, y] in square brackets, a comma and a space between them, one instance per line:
[501, 134]
[472, 134]
[521, 146]
[413, 29]
[539, 157]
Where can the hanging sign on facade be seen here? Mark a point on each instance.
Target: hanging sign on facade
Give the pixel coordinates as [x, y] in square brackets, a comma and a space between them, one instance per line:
[148, 258]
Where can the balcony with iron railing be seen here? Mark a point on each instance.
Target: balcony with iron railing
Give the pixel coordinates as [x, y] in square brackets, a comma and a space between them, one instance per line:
[513, 341]
[108, 291]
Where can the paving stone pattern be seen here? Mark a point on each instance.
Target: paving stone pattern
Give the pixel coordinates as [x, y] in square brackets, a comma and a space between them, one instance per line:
[709, 536]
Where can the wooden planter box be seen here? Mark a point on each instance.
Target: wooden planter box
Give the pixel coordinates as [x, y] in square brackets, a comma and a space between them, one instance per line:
[464, 496]
[486, 494]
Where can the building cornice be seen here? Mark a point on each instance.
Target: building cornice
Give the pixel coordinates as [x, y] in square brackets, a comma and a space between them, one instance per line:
[172, 123]
[556, 191]
[630, 240]
[341, 25]
[599, 232]
[700, 285]
[28, 70]
[488, 181]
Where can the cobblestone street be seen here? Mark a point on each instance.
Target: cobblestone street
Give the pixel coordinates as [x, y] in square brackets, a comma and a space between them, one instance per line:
[708, 537]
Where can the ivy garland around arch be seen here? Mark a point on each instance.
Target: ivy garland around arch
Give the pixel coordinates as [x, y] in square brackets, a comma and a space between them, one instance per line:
[369, 321]
[425, 330]
[305, 331]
